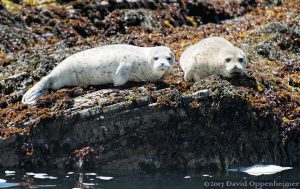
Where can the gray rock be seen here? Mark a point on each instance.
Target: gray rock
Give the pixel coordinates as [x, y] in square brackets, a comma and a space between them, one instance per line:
[202, 94]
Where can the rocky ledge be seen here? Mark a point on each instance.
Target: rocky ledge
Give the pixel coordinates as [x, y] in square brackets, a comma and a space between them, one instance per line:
[216, 123]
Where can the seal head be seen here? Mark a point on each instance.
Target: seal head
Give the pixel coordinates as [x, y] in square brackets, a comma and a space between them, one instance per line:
[213, 55]
[233, 61]
[162, 59]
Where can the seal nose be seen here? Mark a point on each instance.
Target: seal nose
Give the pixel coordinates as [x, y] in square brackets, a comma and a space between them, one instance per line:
[235, 67]
[164, 65]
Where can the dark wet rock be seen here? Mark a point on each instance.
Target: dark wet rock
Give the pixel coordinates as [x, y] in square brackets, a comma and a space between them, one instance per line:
[276, 38]
[30, 66]
[142, 18]
[10, 84]
[14, 38]
[273, 2]
[283, 38]
[216, 11]
[267, 49]
[297, 27]
[201, 94]
[195, 135]
[72, 21]
[9, 157]
[7, 18]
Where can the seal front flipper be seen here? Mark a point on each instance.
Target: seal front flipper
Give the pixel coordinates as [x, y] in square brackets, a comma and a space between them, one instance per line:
[188, 75]
[189, 72]
[122, 74]
[38, 90]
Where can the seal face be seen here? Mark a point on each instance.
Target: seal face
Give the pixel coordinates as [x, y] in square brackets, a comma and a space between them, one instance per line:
[213, 55]
[115, 64]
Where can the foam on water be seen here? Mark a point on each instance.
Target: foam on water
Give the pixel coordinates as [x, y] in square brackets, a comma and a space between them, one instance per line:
[90, 174]
[89, 184]
[40, 175]
[258, 169]
[104, 177]
[10, 172]
[33, 174]
[44, 177]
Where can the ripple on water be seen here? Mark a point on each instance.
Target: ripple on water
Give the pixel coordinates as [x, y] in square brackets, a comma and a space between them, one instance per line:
[94, 179]
[44, 186]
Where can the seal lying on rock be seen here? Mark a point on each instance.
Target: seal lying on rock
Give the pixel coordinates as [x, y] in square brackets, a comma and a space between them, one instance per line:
[115, 64]
[213, 55]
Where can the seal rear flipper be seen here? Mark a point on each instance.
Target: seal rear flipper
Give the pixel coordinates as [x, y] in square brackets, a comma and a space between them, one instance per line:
[38, 90]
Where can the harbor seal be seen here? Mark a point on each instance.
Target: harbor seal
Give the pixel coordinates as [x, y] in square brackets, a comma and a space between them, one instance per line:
[213, 55]
[115, 64]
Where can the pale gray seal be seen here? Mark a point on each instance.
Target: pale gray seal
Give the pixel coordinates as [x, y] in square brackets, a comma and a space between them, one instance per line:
[115, 64]
[213, 55]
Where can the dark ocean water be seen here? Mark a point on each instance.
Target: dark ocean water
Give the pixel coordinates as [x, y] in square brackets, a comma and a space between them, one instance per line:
[166, 179]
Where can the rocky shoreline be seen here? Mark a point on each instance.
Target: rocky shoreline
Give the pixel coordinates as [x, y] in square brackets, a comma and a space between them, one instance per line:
[217, 123]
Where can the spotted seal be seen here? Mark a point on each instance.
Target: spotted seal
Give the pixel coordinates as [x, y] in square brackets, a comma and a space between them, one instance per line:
[115, 64]
[213, 55]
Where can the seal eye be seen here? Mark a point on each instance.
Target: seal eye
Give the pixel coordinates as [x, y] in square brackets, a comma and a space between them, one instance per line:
[241, 60]
[228, 60]
[155, 58]
[169, 58]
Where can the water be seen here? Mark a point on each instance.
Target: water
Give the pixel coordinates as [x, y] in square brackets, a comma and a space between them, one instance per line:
[183, 179]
